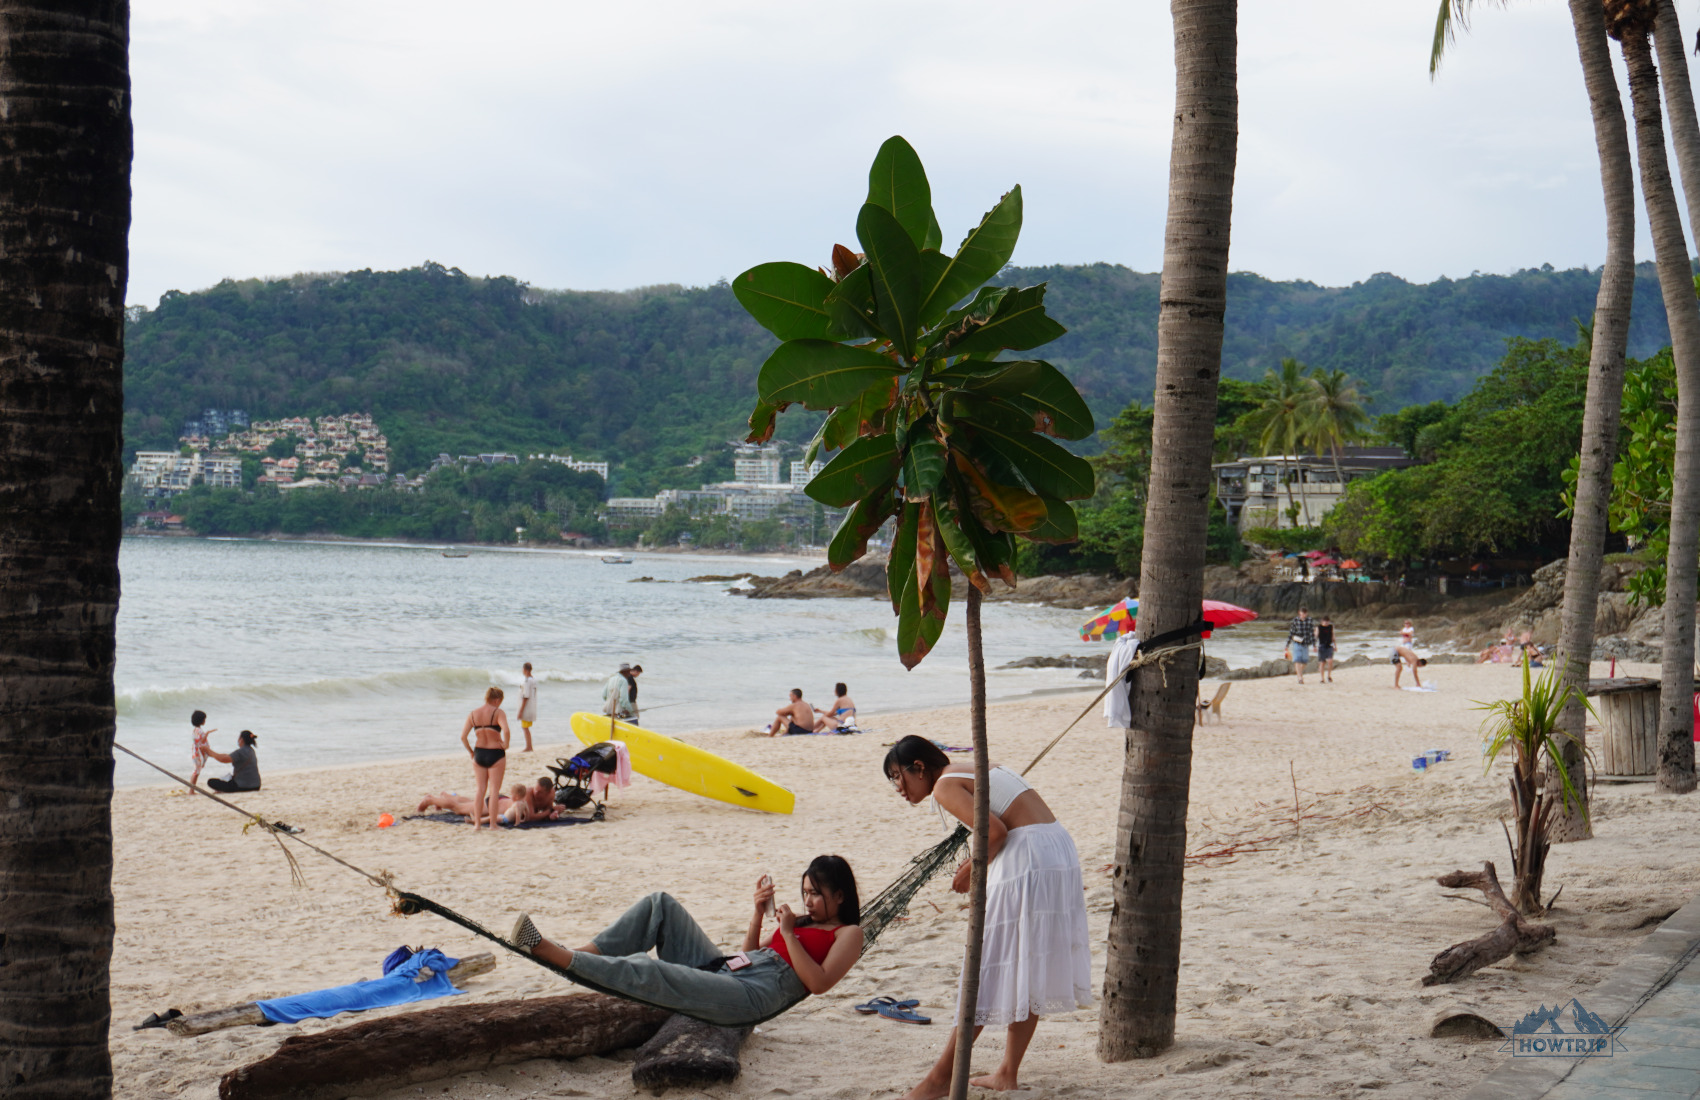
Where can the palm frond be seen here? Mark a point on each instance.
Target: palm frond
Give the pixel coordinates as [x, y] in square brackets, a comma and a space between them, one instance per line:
[1454, 16]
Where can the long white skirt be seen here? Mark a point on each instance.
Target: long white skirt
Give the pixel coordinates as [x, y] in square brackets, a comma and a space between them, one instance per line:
[1036, 958]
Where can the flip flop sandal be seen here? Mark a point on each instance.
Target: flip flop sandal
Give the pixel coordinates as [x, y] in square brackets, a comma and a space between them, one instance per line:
[903, 1015]
[878, 1003]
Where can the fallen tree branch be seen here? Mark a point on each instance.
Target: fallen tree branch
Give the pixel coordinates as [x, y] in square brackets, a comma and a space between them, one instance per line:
[250, 1015]
[391, 1052]
[688, 1053]
[1515, 934]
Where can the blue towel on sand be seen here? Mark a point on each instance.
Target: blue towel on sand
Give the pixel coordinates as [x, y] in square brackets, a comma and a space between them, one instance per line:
[397, 987]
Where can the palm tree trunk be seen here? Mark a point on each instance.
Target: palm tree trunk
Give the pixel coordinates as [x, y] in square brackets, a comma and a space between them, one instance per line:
[1682, 561]
[1676, 284]
[64, 221]
[1600, 418]
[1142, 968]
[982, 831]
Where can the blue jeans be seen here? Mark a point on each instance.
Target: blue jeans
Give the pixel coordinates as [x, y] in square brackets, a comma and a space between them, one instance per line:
[1301, 653]
[728, 998]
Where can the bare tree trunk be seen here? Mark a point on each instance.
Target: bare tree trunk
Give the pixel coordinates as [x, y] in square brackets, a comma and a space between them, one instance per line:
[1682, 561]
[1141, 978]
[1589, 521]
[982, 832]
[1676, 283]
[64, 224]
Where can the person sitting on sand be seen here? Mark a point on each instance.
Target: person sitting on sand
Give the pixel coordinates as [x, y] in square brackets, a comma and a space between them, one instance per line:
[1403, 656]
[534, 803]
[809, 953]
[794, 717]
[843, 712]
[1037, 954]
[244, 766]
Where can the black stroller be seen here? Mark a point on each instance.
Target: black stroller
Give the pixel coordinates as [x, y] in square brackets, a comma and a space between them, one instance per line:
[572, 777]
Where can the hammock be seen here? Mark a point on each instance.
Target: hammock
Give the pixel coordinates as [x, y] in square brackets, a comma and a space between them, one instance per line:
[891, 903]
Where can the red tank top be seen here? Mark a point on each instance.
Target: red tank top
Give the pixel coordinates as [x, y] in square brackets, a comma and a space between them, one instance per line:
[816, 941]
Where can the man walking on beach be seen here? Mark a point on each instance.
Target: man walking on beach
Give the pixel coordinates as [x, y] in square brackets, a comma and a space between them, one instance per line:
[1301, 635]
[528, 705]
[619, 694]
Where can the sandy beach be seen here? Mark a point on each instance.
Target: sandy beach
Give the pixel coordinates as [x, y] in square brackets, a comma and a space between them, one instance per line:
[1301, 962]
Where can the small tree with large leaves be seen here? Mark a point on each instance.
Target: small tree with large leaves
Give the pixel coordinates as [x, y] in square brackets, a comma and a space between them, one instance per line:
[900, 345]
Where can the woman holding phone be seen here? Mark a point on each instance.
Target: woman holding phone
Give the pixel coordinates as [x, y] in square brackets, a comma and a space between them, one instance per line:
[1035, 957]
[808, 953]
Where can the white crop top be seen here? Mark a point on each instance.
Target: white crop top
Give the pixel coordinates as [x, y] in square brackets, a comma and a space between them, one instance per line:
[1006, 787]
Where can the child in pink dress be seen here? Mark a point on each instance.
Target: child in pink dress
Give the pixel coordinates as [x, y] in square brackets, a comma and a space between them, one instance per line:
[199, 750]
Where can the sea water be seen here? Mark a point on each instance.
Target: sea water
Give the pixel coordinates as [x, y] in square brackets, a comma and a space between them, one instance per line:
[341, 653]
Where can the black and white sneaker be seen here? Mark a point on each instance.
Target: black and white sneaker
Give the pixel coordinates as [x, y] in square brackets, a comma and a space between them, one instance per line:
[525, 935]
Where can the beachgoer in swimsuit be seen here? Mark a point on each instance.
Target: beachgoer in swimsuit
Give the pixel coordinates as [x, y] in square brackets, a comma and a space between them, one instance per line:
[489, 756]
[539, 802]
[809, 953]
[794, 717]
[843, 711]
[1037, 956]
[1404, 656]
[198, 748]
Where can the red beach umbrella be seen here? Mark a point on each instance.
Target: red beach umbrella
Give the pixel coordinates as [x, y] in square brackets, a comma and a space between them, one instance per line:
[1118, 618]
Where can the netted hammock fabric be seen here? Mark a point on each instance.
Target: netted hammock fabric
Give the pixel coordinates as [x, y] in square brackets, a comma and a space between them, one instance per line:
[877, 915]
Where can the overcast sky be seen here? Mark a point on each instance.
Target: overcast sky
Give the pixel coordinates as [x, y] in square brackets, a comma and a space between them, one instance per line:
[612, 145]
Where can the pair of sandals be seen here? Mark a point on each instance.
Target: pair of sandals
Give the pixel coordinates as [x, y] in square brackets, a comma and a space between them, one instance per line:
[901, 1011]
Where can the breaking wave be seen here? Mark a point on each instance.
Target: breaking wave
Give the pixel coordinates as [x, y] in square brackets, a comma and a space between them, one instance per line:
[156, 702]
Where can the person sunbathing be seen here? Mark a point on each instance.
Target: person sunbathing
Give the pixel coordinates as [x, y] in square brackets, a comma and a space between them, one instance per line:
[843, 712]
[536, 803]
[808, 953]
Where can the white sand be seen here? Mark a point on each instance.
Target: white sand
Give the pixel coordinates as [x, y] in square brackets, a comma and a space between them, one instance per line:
[1301, 965]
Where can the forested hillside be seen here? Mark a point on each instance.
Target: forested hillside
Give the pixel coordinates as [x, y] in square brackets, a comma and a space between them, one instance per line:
[649, 378]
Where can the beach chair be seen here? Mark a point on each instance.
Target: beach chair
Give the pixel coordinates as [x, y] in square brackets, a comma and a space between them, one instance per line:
[1214, 705]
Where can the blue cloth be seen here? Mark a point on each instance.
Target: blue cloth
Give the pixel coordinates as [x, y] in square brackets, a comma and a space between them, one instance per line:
[397, 987]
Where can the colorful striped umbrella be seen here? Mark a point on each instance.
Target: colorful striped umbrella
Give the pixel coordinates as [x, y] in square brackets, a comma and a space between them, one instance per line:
[1119, 618]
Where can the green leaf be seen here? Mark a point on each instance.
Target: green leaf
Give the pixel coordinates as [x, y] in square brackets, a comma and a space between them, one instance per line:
[989, 411]
[902, 555]
[911, 647]
[981, 255]
[1046, 393]
[1018, 323]
[896, 264]
[821, 374]
[979, 308]
[995, 503]
[1059, 525]
[897, 183]
[1046, 466]
[851, 304]
[856, 472]
[956, 543]
[923, 469]
[787, 299]
[850, 541]
[859, 416]
[761, 423]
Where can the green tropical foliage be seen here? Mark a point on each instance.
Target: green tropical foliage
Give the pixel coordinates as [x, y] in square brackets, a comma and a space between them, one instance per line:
[1494, 470]
[1528, 727]
[1642, 476]
[899, 346]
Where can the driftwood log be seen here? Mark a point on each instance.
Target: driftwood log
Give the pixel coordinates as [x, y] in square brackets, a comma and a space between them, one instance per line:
[689, 1053]
[375, 1056]
[249, 1014]
[1515, 934]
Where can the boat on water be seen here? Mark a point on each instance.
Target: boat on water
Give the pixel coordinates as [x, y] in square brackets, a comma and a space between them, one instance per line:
[617, 559]
[457, 553]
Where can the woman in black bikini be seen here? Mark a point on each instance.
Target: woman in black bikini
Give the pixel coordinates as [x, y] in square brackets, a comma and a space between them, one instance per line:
[489, 757]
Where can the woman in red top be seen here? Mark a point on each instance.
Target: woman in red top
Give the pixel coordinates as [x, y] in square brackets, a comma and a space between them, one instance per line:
[807, 953]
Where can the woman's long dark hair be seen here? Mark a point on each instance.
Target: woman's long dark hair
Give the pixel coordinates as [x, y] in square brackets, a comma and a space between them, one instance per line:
[912, 750]
[832, 873]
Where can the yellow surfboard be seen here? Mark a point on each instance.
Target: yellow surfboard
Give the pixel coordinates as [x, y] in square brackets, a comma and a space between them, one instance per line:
[670, 761]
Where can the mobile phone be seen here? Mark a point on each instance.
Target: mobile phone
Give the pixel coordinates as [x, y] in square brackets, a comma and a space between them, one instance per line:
[738, 961]
[767, 880]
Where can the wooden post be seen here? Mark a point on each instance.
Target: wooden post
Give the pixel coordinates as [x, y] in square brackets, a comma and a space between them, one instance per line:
[250, 1015]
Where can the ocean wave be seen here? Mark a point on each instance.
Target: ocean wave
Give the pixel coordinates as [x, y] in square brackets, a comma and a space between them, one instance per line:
[449, 682]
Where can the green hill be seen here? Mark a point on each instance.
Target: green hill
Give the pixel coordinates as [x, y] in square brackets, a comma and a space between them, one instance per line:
[649, 378]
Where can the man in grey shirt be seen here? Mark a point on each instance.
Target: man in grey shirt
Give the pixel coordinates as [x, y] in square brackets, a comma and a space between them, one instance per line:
[244, 763]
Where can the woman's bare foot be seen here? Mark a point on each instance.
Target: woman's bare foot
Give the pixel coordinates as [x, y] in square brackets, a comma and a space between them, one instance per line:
[928, 1089]
[996, 1080]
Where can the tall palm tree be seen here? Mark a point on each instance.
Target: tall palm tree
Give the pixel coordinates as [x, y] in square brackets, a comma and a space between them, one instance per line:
[1631, 22]
[1142, 968]
[1608, 342]
[1682, 560]
[1282, 422]
[1335, 412]
[64, 221]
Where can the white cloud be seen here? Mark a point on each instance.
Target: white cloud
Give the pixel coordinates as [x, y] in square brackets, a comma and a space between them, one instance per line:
[597, 145]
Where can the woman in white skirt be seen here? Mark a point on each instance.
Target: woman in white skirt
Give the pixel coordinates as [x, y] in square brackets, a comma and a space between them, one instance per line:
[1035, 959]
